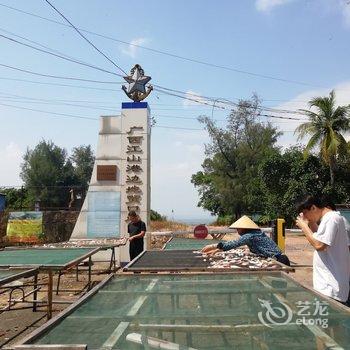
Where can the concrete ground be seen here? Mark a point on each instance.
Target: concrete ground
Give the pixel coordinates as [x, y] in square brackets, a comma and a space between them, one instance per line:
[14, 325]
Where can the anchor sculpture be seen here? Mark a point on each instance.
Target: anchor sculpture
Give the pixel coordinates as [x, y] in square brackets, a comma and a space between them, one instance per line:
[137, 80]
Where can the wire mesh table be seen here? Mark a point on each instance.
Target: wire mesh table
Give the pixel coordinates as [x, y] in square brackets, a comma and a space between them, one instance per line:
[193, 311]
[47, 260]
[186, 261]
[175, 243]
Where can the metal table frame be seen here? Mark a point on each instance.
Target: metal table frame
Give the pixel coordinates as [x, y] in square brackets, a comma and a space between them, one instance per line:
[50, 268]
[5, 287]
[319, 334]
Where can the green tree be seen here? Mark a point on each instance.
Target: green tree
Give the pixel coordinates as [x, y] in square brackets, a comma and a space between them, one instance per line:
[228, 183]
[83, 161]
[286, 177]
[326, 126]
[155, 216]
[48, 174]
[16, 198]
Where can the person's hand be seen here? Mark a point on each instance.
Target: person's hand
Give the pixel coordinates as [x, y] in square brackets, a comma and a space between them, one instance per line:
[131, 239]
[209, 249]
[301, 222]
[213, 252]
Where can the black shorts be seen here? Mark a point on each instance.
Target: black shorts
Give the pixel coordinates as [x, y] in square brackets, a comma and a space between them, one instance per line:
[135, 248]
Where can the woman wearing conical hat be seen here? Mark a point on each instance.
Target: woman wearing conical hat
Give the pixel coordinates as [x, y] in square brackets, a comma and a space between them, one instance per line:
[251, 236]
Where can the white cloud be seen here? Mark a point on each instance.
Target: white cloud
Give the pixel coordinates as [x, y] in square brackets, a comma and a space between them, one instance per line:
[345, 10]
[342, 91]
[268, 5]
[132, 49]
[194, 99]
[10, 160]
[333, 7]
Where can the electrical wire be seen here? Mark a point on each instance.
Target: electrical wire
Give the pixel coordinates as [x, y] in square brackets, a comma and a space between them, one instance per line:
[57, 84]
[57, 76]
[48, 112]
[37, 43]
[214, 100]
[58, 104]
[59, 56]
[201, 62]
[84, 37]
[220, 100]
[210, 104]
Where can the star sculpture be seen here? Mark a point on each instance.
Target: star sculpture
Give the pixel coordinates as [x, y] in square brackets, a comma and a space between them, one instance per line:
[137, 84]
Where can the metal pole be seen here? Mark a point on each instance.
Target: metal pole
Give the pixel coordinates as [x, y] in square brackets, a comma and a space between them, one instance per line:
[49, 294]
[21, 198]
[35, 282]
[89, 282]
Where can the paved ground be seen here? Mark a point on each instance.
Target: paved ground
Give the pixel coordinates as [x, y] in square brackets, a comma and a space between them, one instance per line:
[20, 323]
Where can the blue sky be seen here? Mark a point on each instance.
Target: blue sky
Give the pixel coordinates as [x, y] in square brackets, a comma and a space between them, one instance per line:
[300, 40]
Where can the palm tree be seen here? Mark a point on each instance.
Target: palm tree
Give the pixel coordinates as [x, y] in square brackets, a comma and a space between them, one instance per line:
[326, 126]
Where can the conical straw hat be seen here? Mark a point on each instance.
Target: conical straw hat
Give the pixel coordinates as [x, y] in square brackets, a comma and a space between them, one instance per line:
[244, 222]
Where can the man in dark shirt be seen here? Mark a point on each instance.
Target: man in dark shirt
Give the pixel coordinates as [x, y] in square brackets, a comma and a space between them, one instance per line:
[136, 230]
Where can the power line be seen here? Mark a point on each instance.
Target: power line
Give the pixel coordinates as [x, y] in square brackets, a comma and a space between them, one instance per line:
[215, 100]
[280, 117]
[15, 96]
[265, 76]
[84, 37]
[57, 84]
[185, 93]
[36, 43]
[58, 104]
[48, 112]
[56, 76]
[177, 128]
[95, 119]
[60, 56]
[216, 106]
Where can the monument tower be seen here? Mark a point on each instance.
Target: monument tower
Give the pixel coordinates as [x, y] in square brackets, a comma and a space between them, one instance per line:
[120, 180]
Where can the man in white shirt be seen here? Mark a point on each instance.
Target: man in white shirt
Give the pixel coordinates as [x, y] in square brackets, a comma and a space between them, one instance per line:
[331, 262]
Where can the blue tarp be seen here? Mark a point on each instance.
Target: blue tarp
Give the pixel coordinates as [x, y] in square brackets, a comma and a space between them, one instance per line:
[2, 202]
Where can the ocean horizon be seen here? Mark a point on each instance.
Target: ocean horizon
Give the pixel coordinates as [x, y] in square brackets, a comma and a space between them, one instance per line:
[195, 221]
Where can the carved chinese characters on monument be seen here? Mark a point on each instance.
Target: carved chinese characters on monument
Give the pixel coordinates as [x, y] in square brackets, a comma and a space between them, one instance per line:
[133, 149]
[134, 171]
[133, 179]
[135, 168]
[135, 139]
[106, 173]
[134, 159]
[133, 189]
[134, 198]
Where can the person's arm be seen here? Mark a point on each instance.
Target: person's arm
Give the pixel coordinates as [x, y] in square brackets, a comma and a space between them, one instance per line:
[223, 246]
[303, 225]
[243, 240]
[210, 249]
[139, 235]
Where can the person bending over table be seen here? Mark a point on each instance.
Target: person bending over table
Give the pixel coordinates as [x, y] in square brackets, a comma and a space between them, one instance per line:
[251, 236]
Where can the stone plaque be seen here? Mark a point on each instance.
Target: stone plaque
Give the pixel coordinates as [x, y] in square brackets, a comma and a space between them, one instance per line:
[106, 173]
[103, 217]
